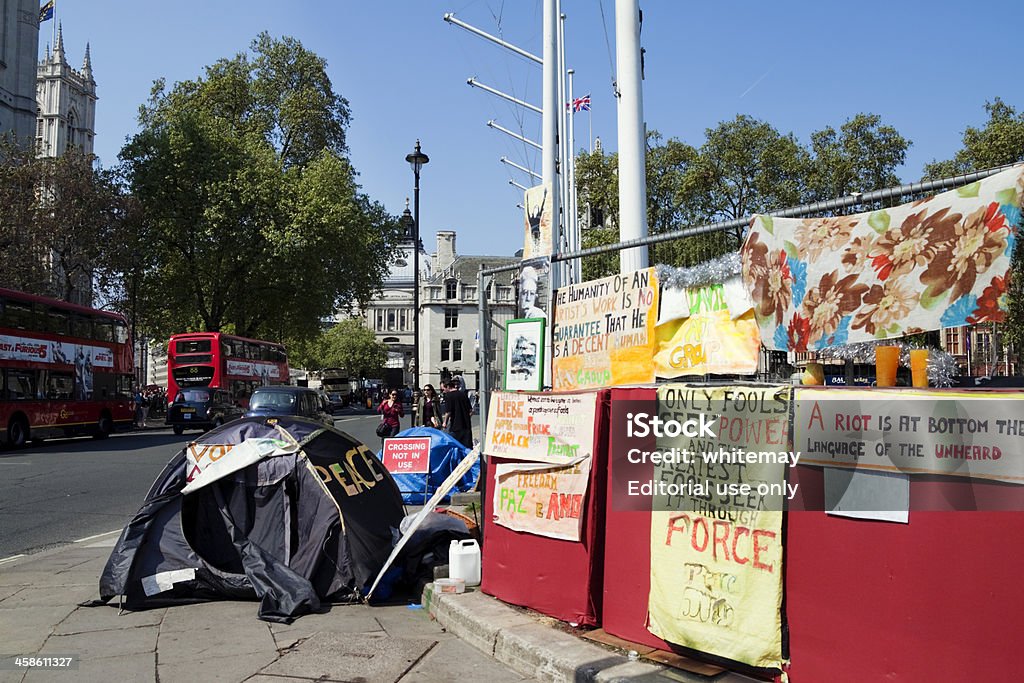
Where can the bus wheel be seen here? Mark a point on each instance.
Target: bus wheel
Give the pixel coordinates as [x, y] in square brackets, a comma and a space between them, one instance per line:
[179, 429]
[103, 427]
[17, 432]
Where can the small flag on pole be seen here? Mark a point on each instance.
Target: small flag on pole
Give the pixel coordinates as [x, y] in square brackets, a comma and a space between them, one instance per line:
[46, 11]
[581, 103]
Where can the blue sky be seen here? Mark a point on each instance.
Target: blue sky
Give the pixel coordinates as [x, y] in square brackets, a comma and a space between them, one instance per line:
[926, 67]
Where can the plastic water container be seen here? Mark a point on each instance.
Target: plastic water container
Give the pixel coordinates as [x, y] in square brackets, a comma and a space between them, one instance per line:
[464, 561]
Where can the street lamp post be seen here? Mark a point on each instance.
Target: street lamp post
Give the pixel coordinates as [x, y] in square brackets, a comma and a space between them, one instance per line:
[417, 160]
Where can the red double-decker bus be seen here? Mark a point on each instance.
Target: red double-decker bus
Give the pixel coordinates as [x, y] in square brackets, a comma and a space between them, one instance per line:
[65, 370]
[223, 361]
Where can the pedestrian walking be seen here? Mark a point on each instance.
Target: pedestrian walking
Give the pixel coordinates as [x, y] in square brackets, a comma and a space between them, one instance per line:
[458, 414]
[428, 408]
[391, 415]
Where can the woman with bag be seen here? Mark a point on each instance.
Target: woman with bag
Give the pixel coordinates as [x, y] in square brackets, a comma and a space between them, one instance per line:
[428, 408]
[391, 414]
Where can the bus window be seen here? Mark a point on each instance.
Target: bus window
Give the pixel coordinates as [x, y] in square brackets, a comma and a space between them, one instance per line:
[124, 386]
[120, 332]
[60, 385]
[228, 348]
[192, 346]
[21, 385]
[81, 327]
[17, 315]
[57, 322]
[103, 330]
[103, 385]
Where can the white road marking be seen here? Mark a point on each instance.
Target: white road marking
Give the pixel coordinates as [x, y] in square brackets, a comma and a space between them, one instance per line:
[10, 559]
[89, 538]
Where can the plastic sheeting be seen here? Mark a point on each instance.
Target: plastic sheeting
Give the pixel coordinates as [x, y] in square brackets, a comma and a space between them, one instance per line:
[445, 454]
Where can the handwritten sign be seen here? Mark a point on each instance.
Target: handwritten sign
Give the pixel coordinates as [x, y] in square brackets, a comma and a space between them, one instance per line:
[708, 340]
[603, 332]
[913, 431]
[407, 455]
[716, 542]
[541, 427]
[541, 499]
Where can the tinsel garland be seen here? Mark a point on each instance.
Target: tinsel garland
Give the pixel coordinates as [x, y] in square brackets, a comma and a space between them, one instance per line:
[942, 367]
[715, 271]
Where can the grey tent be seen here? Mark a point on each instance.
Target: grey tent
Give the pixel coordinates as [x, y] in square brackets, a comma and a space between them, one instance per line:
[283, 510]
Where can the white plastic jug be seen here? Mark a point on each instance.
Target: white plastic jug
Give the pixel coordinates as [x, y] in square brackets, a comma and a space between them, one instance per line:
[464, 561]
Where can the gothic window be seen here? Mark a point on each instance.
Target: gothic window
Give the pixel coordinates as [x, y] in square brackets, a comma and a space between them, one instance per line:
[451, 317]
[71, 130]
[451, 289]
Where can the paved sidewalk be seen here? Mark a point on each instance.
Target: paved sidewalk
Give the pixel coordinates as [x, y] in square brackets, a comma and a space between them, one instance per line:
[214, 641]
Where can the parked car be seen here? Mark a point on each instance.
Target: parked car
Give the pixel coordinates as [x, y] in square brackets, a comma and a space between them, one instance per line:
[280, 400]
[201, 408]
[336, 401]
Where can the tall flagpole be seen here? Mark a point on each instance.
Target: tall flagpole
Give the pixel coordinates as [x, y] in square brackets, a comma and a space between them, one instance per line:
[632, 142]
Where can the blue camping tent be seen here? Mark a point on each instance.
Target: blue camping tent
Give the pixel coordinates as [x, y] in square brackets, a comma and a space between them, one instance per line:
[445, 454]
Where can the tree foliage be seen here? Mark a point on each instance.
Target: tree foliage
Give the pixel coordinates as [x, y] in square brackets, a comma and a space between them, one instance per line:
[254, 221]
[60, 219]
[1000, 141]
[348, 345]
[744, 166]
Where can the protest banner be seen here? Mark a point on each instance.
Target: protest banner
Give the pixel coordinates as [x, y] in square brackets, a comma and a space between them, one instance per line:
[541, 427]
[883, 274]
[977, 435]
[716, 536]
[705, 338]
[541, 499]
[603, 332]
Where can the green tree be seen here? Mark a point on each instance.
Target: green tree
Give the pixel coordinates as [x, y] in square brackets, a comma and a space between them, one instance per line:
[746, 166]
[1000, 141]
[861, 157]
[60, 218]
[255, 222]
[348, 345]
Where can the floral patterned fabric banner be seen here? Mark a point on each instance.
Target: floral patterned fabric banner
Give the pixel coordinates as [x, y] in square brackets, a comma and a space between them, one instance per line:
[938, 262]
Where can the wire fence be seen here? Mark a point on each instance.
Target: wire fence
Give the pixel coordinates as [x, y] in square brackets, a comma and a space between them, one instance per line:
[979, 348]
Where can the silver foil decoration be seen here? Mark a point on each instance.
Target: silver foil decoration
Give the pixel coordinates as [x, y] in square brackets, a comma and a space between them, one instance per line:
[942, 367]
[715, 271]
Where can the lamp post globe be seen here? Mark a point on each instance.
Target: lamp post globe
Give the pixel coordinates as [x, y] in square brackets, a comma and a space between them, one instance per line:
[417, 160]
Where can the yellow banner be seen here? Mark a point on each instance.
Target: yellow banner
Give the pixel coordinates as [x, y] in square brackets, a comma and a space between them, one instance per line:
[716, 552]
[708, 342]
[541, 499]
[603, 332]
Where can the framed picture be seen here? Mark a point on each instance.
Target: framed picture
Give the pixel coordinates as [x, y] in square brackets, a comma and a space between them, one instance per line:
[524, 354]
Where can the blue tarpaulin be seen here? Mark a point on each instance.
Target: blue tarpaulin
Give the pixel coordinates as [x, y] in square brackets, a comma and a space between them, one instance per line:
[445, 454]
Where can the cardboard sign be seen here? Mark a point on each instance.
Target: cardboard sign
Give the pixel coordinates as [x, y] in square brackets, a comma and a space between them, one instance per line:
[407, 455]
[541, 499]
[716, 553]
[976, 435]
[541, 427]
[603, 332]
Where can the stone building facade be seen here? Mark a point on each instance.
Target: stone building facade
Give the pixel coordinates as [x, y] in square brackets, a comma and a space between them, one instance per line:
[19, 47]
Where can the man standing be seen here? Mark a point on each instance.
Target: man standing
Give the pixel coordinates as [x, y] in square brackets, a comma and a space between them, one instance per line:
[458, 414]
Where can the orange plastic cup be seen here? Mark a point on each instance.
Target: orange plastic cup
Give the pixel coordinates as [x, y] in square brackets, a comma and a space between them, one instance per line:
[814, 375]
[887, 359]
[919, 367]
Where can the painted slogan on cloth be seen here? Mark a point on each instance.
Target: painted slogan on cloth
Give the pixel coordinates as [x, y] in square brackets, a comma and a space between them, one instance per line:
[716, 550]
[708, 340]
[541, 499]
[603, 333]
[914, 432]
[541, 427]
[935, 263]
